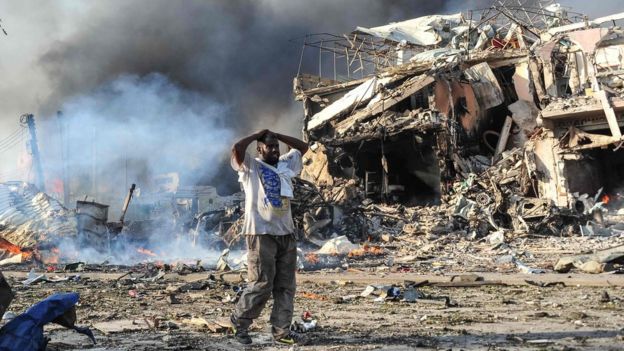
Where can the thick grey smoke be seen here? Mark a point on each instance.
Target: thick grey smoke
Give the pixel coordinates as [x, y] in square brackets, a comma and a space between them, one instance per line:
[238, 54]
[131, 129]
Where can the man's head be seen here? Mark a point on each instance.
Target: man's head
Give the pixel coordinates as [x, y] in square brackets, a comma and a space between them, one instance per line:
[268, 148]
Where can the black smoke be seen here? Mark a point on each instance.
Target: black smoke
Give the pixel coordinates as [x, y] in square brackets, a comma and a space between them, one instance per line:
[239, 53]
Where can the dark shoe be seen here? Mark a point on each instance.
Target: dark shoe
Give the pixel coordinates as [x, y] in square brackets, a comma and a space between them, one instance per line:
[292, 338]
[241, 335]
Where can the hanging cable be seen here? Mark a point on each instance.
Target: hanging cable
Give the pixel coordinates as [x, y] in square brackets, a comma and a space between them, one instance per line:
[10, 144]
[16, 131]
[11, 138]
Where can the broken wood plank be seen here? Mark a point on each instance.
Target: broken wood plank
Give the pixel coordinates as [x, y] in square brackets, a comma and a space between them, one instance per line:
[504, 137]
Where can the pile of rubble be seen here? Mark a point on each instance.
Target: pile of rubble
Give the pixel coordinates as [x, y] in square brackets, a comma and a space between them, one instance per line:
[498, 122]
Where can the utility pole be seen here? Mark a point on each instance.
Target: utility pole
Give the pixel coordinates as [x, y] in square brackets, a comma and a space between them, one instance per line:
[29, 119]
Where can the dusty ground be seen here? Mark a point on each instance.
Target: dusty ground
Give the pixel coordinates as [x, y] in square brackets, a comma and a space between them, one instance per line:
[576, 316]
[500, 312]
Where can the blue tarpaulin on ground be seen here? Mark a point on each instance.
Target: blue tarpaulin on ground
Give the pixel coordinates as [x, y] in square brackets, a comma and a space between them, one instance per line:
[25, 332]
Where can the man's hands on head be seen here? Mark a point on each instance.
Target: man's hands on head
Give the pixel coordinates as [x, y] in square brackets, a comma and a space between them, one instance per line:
[261, 133]
[238, 149]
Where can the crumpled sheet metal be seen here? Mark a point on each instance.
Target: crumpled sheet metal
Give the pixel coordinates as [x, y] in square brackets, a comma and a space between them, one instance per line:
[425, 31]
[29, 217]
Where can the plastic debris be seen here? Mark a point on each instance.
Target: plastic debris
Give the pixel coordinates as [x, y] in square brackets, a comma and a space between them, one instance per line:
[33, 278]
[25, 332]
[337, 246]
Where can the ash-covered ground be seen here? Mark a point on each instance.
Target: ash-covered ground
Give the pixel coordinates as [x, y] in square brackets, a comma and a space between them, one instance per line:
[364, 302]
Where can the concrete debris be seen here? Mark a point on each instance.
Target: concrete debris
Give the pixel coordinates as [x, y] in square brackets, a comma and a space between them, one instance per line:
[528, 270]
[601, 261]
[122, 325]
[425, 31]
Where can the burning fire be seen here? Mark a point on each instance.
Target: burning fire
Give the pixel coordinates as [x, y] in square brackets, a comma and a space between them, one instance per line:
[312, 258]
[13, 249]
[146, 252]
[366, 250]
[313, 296]
[605, 199]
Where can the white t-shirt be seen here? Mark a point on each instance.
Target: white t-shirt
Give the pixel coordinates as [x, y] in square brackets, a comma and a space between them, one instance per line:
[268, 191]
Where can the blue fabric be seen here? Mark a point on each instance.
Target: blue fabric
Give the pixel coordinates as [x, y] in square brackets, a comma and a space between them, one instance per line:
[25, 332]
[272, 186]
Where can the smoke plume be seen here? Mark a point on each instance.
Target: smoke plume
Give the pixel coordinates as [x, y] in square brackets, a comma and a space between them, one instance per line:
[237, 54]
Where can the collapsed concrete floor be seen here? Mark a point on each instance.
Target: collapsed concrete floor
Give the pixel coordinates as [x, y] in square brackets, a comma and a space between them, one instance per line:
[467, 295]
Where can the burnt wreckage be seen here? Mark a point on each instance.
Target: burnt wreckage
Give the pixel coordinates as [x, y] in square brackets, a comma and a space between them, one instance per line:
[509, 118]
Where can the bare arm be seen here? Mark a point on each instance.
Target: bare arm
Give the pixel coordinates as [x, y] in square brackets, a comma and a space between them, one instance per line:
[293, 142]
[238, 149]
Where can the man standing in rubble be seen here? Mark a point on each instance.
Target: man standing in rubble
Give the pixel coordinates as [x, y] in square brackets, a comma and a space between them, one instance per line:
[269, 232]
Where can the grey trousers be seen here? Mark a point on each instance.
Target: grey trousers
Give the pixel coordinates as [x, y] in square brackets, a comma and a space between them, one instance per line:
[271, 267]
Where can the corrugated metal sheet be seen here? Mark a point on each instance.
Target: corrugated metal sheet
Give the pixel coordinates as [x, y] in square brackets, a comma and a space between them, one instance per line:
[28, 217]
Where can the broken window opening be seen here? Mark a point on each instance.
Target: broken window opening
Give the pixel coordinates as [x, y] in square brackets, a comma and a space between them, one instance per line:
[595, 169]
[417, 101]
[562, 73]
[504, 75]
[413, 176]
[495, 117]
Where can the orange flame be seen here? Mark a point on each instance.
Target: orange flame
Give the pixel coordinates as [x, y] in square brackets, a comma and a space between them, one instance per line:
[366, 250]
[14, 249]
[605, 199]
[312, 258]
[146, 252]
[313, 296]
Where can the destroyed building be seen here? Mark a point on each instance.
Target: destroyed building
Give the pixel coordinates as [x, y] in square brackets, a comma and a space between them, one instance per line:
[512, 113]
